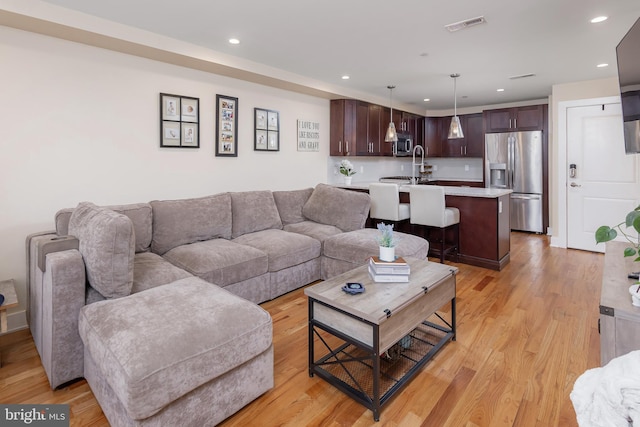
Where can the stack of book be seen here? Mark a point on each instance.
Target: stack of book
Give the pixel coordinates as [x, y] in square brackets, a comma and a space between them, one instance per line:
[389, 271]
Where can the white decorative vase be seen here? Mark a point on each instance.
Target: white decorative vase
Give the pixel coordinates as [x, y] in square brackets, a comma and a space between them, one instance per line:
[347, 180]
[635, 295]
[387, 254]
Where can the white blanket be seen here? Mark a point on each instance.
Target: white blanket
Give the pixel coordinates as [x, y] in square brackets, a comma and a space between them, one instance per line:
[609, 396]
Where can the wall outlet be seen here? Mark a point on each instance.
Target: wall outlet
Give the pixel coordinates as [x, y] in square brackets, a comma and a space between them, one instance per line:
[435, 168]
[466, 168]
[401, 167]
[361, 169]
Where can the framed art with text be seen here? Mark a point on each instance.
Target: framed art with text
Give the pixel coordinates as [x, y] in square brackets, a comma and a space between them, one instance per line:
[267, 130]
[179, 121]
[227, 119]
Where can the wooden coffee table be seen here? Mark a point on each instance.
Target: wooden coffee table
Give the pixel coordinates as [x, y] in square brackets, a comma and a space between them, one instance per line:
[373, 343]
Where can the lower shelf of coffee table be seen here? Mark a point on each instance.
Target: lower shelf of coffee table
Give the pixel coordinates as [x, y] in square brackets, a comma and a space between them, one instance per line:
[349, 367]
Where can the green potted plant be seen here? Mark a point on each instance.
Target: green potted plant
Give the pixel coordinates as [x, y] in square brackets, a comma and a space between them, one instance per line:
[387, 242]
[347, 171]
[606, 233]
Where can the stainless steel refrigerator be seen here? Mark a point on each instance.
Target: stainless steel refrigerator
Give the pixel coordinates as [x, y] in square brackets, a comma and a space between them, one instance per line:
[513, 160]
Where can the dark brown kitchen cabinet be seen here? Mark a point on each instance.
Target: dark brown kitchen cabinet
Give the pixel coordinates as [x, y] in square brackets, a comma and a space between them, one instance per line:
[358, 128]
[412, 124]
[472, 145]
[432, 137]
[370, 130]
[342, 134]
[514, 119]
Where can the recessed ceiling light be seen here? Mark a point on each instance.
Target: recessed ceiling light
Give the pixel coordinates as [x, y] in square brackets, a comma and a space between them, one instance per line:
[234, 41]
[345, 77]
[599, 19]
[602, 65]
[426, 100]
[499, 90]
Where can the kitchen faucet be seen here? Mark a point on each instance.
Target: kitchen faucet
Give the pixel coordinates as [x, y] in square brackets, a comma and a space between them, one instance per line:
[413, 164]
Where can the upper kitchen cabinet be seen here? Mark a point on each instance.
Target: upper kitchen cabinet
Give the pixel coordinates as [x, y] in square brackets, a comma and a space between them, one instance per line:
[342, 134]
[472, 145]
[514, 119]
[432, 137]
[413, 125]
[371, 127]
[358, 128]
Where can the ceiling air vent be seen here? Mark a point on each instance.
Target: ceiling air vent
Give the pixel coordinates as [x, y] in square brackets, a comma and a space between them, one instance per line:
[465, 24]
[521, 76]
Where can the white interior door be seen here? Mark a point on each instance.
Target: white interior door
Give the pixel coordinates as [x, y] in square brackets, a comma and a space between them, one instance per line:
[605, 185]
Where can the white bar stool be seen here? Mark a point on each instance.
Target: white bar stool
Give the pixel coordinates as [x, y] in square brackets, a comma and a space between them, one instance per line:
[385, 203]
[428, 209]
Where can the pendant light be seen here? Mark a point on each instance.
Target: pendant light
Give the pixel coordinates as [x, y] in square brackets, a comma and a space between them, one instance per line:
[455, 129]
[391, 135]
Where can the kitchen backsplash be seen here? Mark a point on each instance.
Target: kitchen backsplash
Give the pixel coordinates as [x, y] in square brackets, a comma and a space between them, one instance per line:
[371, 169]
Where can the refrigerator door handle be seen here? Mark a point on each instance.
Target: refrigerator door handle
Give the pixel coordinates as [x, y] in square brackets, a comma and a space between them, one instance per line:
[511, 161]
[525, 197]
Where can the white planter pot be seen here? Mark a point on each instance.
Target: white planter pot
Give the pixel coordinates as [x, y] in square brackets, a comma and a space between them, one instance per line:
[388, 254]
[347, 180]
[635, 295]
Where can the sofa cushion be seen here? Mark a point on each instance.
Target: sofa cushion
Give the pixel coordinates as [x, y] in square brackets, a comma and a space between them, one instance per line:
[156, 346]
[138, 213]
[219, 261]
[284, 249]
[290, 204]
[313, 229]
[178, 222]
[348, 210]
[107, 244]
[253, 211]
[151, 270]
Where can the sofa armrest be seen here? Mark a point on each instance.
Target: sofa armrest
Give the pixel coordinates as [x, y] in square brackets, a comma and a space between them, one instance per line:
[56, 295]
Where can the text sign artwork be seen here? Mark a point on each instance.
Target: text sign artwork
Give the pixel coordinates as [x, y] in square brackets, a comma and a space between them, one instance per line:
[308, 135]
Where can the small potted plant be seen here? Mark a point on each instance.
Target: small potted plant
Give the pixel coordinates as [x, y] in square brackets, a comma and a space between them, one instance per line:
[387, 242]
[347, 170]
[606, 233]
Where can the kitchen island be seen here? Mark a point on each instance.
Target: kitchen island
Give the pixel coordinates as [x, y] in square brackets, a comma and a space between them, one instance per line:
[484, 222]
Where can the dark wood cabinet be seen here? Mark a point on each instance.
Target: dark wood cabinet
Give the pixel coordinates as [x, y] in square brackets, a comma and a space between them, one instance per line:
[342, 132]
[484, 230]
[358, 128]
[514, 119]
[432, 137]
[363, 143]
[472, 145]
[413, 125]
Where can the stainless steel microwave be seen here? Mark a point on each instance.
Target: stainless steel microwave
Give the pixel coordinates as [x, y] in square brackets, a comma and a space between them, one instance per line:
[403, 146]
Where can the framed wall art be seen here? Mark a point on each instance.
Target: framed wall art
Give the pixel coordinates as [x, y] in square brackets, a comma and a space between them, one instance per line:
[227, 119]
[267, 130]
[179, 121]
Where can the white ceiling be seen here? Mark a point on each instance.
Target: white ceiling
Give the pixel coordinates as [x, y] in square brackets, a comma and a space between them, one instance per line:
[401, 42]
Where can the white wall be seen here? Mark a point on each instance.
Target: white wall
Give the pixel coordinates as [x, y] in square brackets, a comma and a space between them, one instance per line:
[81, 123]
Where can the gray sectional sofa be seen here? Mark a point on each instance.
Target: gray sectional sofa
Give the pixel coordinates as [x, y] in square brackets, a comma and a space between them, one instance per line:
[155, 304]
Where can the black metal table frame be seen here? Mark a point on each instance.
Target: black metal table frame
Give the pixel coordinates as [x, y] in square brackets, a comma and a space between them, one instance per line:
[375, 402]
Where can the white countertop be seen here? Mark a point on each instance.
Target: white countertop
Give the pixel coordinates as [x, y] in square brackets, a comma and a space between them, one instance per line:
[491, 193]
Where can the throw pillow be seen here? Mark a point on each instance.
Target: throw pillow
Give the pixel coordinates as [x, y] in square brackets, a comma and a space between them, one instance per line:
[107, 245]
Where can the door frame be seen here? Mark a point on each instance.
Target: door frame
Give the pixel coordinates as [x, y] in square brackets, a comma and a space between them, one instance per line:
[560, 238]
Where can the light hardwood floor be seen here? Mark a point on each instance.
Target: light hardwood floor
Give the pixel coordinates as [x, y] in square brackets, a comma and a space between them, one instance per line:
[524, 335]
